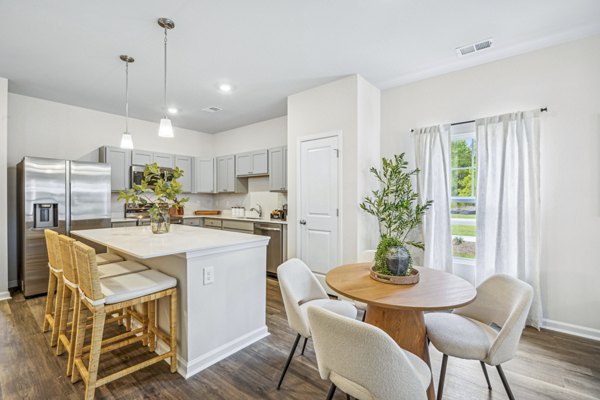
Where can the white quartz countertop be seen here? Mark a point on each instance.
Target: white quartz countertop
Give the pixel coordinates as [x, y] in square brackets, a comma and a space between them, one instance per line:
[140, 242]
[264, 220]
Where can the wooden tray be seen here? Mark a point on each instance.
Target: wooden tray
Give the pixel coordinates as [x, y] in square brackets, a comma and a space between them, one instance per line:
[207, 212]
[396, 280]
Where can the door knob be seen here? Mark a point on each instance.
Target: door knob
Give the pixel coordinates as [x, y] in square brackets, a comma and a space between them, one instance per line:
[302, 222]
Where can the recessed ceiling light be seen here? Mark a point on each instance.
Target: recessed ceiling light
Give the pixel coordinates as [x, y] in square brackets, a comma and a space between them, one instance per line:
[225, 87]
[172, 110]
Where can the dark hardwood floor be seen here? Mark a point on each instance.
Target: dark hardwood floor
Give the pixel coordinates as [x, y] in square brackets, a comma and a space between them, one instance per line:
[548, 366]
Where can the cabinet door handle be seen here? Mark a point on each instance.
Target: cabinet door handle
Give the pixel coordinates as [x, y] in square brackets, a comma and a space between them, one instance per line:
[302, 222]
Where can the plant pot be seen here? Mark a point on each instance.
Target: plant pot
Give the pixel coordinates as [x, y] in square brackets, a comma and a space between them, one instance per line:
[160, 222]
[398, 260]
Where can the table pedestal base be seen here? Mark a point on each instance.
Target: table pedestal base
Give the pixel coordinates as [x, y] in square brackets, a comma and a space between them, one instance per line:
[407, 328]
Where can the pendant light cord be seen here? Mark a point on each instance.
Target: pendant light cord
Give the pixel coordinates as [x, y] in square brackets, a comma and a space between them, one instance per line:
[165, 96]
[127, 95]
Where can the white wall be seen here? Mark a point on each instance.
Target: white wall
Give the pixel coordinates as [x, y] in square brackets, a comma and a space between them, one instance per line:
[3, 189]
[42, 128]
[351, 106]
[258, 136]
[566, 79]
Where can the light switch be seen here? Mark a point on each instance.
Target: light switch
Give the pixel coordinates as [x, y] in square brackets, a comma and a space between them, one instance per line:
[209, 275]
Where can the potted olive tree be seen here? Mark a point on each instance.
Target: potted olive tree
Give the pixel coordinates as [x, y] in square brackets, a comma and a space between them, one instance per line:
[397, 209]
[161, 191]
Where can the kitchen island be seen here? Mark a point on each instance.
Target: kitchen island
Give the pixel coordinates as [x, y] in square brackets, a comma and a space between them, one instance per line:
[220, 280]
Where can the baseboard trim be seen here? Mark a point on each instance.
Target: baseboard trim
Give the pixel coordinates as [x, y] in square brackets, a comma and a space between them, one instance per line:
[12, 284]
[5, 296]
[571, 329]
[192, 367]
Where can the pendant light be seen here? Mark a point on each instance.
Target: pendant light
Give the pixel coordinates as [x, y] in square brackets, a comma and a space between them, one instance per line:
[166, 128]
[126, 138]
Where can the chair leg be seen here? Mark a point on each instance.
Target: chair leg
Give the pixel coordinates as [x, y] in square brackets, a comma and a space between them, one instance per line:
[304, 346]
[95, 347]
[152, 325]
[60, 287]
[49, 300]
[128, 318]
[331, 392]
[505, 382]
[173, 323]
[289, 360]
[64, 316]
[74, 332]
[442, 377]
[145, 322]
[487, 378]
[79, 340]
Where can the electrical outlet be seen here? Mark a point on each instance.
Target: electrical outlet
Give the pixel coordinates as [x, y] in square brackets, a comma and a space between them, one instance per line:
[209, 275]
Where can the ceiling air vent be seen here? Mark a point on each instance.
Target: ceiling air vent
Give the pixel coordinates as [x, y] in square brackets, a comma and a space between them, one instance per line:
[212, 109]
[475, 47]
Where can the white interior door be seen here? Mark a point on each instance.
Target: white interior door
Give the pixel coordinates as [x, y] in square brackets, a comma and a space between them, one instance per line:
[318, 194]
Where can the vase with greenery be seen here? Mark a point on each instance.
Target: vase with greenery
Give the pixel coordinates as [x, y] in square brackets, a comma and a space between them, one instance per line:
[159, 189]
[398, 211]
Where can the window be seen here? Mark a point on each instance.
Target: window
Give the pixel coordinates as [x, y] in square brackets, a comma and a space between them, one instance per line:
[464, 190]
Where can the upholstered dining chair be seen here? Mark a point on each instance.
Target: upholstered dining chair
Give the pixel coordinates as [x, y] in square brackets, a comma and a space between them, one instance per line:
[299, 289]
[487, 330]
[363, 361]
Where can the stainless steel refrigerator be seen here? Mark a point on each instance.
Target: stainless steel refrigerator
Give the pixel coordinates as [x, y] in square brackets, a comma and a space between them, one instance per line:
[60, 195]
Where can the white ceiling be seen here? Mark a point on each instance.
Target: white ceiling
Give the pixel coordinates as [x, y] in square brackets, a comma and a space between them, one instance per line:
[68, 50]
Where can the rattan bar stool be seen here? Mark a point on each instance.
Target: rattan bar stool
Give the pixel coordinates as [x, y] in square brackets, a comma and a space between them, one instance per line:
[56, 285]
[71, 294]
[100, 297]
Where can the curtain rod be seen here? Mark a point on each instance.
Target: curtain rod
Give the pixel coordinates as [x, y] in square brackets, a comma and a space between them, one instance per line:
[543, 109]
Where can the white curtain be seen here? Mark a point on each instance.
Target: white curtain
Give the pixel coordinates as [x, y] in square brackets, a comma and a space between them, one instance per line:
[432, 158]
[508, 200]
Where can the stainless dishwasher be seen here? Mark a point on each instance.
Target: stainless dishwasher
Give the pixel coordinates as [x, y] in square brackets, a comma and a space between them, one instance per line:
[275, 246]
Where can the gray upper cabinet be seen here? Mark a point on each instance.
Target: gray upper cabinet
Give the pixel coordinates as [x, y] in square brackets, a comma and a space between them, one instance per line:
[120, 165]
[186, 164]
[278, 169]
[142, 157]
[164, 160]
[253, 163]
[227, 182]
[204, 175]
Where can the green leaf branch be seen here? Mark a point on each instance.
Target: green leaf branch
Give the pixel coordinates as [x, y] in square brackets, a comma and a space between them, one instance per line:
[156, 189]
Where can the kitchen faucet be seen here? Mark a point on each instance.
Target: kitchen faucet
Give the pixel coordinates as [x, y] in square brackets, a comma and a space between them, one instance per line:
[259, 210]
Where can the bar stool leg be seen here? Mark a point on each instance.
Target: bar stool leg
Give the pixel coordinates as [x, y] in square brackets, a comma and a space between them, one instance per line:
[173, 322]
[95, 347]
[74, 332]
[145, 319]
[64, 316]
[151, 326]
[128, 318]
[79, 340]
[49, 300]
[60, 287]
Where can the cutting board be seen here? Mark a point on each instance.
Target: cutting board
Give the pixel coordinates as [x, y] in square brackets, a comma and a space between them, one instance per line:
[207, 212]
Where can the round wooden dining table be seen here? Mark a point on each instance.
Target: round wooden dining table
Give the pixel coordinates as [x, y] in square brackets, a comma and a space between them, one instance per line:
[398, 309]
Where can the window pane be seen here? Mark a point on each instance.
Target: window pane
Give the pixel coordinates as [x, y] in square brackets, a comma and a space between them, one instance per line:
[462, 183]
[462, 152]
[463, 229]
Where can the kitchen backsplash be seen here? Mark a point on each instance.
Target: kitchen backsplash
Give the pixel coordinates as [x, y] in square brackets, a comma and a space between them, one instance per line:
[258, 193]
[196, 202]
